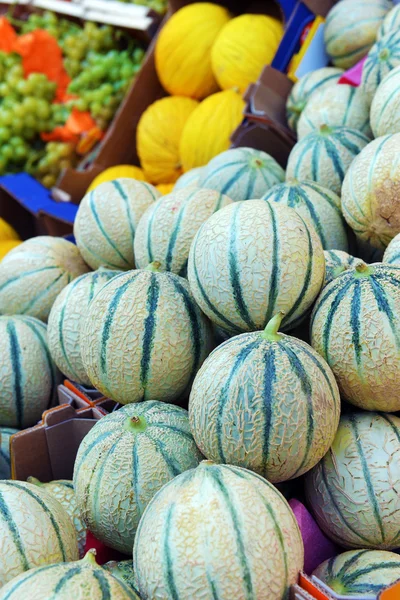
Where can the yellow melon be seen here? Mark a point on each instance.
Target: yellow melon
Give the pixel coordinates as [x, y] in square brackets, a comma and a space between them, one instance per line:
[115, 173]
[243, 47]
[208, 129]
[7, 245]
[158, 135]
[7, 232]
[165, 188]
[183, 49]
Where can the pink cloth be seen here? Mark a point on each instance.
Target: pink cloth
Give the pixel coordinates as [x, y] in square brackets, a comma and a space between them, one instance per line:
[353, 75]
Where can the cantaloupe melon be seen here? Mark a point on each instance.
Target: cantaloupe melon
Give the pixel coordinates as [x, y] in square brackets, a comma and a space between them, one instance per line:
[117, 172]
[385, 108]
[392, 252]
[353, 490]
[65, 322]
[133, 452]
[351, 28]
[144, 337]
[325, 155]
[252, 385]
[390, 23]
[354, 312]
[382, 58]
[29, 376]
[360, 572]
[82, 580]
[242, 173]
[252, 259]
[167, 228]
[181, 552]
[190, 178]
[336, 262]
[5, 462]
[123, 571]
[336, 106]
[63, 491]
[317, 205]
[34, 530]
[35, 272]
[305, 87]
[106, 221]
[370, 201]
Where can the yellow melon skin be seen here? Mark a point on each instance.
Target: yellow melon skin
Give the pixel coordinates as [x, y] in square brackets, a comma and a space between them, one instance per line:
[180, 552]
[117, 172]
[208, 129]
[385, 107]
[242, 49]
[165, 188]
[7, 232]
[35, 530]
[392, 252]
[158, 136]
[183, 50]
[370, 192]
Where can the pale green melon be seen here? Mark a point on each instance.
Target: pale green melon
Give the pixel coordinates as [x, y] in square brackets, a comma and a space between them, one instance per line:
[218, 531]
[306, 86]
[318, 206]
[359, 572]
[34, 530]
[385, 108]
[382, 58]
[82, 580]
[267, 402]
[35, 272]
[252, 259]
[65, 322]
[351, 28]
[370, 192]
[123, 570]
[5, 462]
[167, 228]
[188, 179]
[106, 222]
[390, 23]
[336, 106]
[144, 337]
[392, 252]
[355, 326]
[336, 262]
[28, 375]
[353, 491]
[133, 452]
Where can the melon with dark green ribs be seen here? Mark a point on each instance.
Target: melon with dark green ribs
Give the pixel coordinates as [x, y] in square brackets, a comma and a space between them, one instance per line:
[359, 572]
[80, 580]
[390, 23]
[351, 28]
[381, 59]
[34, 530]
[5, 461]
[144, 337]
[353, 491]
[35, 272]
[241, 173]
[65, 322]
[317, 205]
[29, 377]
[336, 263]
[252, 384]
[132, 453]
[385, 107]
[252, 259]
[63, 491]
[188, 179]
[167, 228]
[370, 196]
[303, 90]
[392, 252]
[325, 155]
[106, 222]
[355, 326]
[123, 570]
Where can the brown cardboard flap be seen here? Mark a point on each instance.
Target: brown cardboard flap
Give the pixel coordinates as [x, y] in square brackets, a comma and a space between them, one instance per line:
[63, 441]
[268, 99]
[262, 137]
[320, 7]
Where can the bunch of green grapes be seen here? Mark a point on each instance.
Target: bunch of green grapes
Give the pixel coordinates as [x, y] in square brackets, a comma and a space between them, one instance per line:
[58, 28]
[76, 46]
[47, 163]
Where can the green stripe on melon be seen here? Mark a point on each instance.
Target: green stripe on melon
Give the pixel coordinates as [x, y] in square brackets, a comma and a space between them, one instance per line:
[267, 402]
[241, 173]
[351, 28]
[188, 179]
[337, 262]
[305, 88]
[382, 58]
[134, 452]
[5, 462]
[370, 192]
[167, 228]
[241, 266]
[385, 108]
[392, 252]
[318, 206]
[354, 312]
[123, 570]
[25, 509]
[83, 579]
[35, 272]
[29, 376]
[178, 556]
[106, 222]
[359, 572]
[353, 490]
[65, 322]
[390, 23]
[325, 155]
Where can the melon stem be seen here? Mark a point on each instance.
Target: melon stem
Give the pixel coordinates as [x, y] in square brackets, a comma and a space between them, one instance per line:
[135, 424]
[363, 270]
[34, 481]
[270, 333]
[155, 267]
[90, 557]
